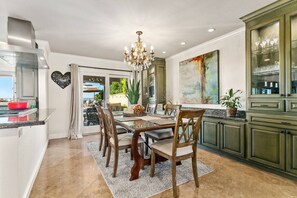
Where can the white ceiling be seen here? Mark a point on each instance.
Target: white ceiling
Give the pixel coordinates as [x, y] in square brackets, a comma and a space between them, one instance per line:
[101, 28]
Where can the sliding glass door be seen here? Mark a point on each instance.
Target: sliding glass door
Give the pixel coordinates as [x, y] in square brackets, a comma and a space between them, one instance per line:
[100, 87]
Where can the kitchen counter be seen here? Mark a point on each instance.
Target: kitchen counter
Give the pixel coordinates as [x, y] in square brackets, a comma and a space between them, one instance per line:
[37, 118]
[221, 113]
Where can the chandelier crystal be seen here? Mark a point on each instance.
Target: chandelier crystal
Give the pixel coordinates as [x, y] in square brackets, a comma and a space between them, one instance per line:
[137, 57]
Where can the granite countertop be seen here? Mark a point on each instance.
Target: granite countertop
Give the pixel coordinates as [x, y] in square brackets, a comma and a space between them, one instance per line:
[221, 113]
[37, 118]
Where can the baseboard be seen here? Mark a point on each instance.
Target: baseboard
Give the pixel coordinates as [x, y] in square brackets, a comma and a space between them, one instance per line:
[36, 170]
[57, 136]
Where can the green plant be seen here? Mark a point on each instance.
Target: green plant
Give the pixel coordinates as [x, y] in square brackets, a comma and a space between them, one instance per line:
[132, 91]
[99, 96]
[230, 100]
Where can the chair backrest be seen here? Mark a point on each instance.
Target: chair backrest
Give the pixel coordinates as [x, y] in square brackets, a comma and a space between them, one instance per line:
[151, 108]
[101, 118]
[115, 106]
[171, 109]
[110, 126]
[189, 121]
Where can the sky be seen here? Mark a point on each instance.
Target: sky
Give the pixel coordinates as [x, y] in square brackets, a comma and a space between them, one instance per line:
[91, 95]
[6, 87]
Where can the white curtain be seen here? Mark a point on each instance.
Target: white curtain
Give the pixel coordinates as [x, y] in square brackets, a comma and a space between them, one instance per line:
[73, 132]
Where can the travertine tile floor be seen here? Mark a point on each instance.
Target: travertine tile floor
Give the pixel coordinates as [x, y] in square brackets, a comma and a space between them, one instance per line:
[68, 170]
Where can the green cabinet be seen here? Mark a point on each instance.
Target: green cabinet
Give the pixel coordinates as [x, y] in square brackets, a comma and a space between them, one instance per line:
[271, 51]
[291, 151]
[210, 133]
[266, 145]
[224, 135]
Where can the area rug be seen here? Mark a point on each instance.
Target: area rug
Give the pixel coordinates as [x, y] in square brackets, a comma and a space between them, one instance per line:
[145, 186]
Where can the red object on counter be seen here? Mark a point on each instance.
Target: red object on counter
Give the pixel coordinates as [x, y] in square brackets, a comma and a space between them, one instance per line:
[17, 105]
[18, 118]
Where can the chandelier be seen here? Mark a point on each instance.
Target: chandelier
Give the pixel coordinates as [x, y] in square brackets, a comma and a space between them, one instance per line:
[137, 57]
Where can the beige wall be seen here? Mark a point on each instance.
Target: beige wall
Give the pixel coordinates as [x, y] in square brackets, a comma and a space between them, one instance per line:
[231, 66]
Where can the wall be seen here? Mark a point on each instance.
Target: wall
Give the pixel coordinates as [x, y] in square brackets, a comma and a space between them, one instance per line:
[231, 66]
[59, 99]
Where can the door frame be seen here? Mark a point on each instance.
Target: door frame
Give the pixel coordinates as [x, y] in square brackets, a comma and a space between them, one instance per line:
[85, 130]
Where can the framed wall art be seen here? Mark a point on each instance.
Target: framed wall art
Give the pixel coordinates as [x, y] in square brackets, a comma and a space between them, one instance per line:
[199, 79]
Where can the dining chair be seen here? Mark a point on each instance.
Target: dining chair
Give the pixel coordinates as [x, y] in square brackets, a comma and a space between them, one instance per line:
[117, 142]
[182, 146]
[102, 132]
[117, 107]
[162, 134]
[151, 108]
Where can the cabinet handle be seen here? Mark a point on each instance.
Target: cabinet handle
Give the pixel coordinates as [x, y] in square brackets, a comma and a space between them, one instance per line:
[283, 95]
[289, 132]
[282, 131]
[289, 94]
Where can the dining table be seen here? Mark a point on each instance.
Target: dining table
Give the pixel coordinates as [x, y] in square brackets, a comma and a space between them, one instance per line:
[138, 125]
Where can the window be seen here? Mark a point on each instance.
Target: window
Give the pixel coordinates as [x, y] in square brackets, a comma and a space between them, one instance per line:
[6, 88]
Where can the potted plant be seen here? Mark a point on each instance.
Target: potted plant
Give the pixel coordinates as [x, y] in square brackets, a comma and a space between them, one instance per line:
[133, 92]
[231, 101]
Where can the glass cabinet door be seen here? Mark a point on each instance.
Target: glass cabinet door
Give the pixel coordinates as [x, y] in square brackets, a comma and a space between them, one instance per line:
[265, 60]
[293, 63]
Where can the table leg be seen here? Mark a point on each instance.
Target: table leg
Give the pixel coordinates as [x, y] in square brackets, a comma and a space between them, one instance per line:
[138, 159]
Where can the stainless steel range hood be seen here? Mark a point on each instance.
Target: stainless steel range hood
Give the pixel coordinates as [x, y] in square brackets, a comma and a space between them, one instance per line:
[20, 49]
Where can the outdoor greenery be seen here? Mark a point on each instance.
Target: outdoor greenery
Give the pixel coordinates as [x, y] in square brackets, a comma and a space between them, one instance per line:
[230, 100]
[133, 92]
[118, 87]
[99, 96]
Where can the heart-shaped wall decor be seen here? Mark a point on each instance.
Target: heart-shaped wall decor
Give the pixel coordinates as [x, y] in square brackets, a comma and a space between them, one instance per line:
[61, 80]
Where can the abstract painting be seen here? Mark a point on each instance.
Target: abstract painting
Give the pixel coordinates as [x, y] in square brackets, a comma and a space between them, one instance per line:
[199, 79]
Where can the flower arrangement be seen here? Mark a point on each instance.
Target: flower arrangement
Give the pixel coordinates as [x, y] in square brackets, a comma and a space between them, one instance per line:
[138, 110]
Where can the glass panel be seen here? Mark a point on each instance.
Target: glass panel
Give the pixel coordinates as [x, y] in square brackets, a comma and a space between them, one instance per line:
[117, 91]
[265, 59]
[93, 93]
[6, 90]
[294, 54]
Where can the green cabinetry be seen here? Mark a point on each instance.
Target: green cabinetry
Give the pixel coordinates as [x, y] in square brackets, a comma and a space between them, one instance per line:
[271, 51]
[224, 135]
[271, 68]
[266, 145]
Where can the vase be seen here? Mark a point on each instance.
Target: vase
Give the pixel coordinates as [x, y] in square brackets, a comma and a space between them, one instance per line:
[231, 112]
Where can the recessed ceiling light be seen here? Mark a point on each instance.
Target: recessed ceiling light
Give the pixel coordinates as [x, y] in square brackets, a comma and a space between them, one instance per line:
[164, 52]
[211, 30]
[183, 43]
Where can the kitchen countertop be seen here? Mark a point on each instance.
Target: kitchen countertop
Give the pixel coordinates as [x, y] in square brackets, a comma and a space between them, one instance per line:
[221, 113]
[37, 118]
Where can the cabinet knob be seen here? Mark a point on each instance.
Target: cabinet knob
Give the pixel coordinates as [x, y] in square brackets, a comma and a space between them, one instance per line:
[289, 94]
[283, 95]
[282, 131]
[289, 132]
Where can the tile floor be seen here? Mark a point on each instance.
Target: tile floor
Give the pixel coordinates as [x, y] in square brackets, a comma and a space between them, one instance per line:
[68, 170]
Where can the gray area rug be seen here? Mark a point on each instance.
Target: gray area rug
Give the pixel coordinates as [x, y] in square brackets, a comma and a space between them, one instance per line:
[145, 186]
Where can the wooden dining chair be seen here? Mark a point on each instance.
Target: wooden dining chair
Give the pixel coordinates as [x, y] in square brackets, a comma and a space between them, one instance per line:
[162, 134]
[102, 133]
[151, 108]
[182, 146]
[117, 142]
[117, 107]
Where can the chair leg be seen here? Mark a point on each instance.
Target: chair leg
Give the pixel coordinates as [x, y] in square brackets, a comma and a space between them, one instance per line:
[115, 162]
[142, 149]
[153, 161]
[105, 145]
[108, 156]
[195, 171]
[174, 178]
[131, 154]
[101, 140]
[147, 143]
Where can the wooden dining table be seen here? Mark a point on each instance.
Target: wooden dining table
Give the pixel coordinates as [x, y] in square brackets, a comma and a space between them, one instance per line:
[138, 125]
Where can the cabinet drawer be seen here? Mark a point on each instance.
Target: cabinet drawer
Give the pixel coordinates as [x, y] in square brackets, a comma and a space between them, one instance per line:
[292, 105]
[277, 105]
[273, 120]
